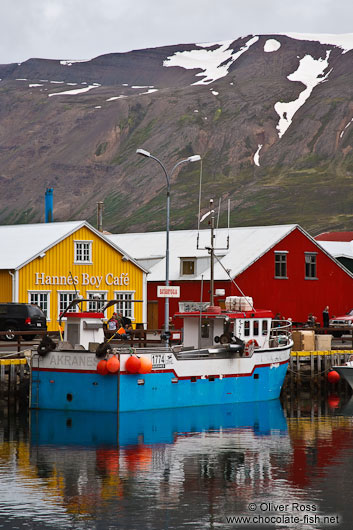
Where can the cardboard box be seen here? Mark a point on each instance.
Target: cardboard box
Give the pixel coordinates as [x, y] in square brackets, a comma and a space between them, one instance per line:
[297, 339]
[323, 342]
[308, 340]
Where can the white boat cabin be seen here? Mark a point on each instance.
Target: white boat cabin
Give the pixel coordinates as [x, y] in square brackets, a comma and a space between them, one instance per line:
[209, 329]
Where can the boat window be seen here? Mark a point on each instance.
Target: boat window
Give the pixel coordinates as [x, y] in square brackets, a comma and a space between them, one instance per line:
[246, 328]
[205, 329]
[264, 327]
[255, 327]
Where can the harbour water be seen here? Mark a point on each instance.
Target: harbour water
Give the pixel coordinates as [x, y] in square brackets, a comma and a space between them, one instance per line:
[257, 465]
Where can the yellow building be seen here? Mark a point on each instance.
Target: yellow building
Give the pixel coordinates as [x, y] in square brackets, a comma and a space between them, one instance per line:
[49, 264]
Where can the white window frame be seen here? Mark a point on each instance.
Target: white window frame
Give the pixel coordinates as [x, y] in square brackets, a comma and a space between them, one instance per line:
[30, 301]
[81, 261]
[74, 295]
[194, 261]
[311, 265]
[281, 253]
[121, 308]
[90, 294]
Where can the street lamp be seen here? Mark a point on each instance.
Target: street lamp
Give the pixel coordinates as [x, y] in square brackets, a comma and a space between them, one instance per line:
[193, 158]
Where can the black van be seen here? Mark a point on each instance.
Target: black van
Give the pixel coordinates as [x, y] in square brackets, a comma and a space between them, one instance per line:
[21, 317]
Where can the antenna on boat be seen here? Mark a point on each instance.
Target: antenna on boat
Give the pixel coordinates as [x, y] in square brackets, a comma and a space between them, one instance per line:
[219, 211]
[198, 217]
[200, 317]
[228, 222]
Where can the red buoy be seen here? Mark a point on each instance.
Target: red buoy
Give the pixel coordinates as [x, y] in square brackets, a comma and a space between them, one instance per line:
[146, 365]
[102, 367]
[133, 364]
[333, 377]
[113, 365]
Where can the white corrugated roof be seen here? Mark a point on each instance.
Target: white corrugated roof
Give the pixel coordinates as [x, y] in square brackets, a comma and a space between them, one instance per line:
[20, 244]
[338, 249]
[246, 245]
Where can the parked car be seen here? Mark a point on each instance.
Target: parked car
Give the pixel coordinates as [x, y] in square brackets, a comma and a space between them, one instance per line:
[340, 322]
[21, 317]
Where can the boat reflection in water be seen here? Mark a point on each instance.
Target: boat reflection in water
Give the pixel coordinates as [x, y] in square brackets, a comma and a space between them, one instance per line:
[152, 427]
[157, 460]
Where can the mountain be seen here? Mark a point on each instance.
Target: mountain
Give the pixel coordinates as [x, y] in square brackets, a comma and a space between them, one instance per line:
[270, 115]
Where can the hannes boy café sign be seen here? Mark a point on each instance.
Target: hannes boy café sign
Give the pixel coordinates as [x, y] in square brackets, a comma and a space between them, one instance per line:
[86, 279]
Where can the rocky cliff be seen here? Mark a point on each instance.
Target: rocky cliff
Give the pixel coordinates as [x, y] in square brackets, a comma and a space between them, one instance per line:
[270, 115]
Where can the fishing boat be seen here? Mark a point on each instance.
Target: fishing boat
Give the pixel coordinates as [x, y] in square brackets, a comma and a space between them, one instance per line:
[235, 355]
[232, 356]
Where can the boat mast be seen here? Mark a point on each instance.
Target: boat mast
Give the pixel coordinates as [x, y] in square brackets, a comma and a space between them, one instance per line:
[211, 249]
[211, 252]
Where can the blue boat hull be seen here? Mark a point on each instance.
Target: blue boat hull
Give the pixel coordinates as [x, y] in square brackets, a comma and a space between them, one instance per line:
[87, 391]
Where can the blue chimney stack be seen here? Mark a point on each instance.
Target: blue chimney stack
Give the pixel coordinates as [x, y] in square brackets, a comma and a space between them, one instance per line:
[49, 205]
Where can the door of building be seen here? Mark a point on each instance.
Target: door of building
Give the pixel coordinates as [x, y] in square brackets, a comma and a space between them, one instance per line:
[152, 314]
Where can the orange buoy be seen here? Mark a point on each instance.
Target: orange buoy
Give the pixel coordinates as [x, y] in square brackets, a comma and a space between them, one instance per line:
[102, 367]
[333, 376]
[133, 364]
[146, 365]
[113, 365]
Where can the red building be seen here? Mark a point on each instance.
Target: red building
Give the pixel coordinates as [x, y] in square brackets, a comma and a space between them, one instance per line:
[281, 267]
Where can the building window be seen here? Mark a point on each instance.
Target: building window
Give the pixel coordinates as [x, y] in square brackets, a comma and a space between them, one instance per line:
[310, 265]
[64, 299]
[40, 299]
[98, 300]
[187, 266]
[281, 264]
[83, 251]
[125, 304]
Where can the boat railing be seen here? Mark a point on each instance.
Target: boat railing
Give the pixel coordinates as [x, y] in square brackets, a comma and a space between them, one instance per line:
[280, 333]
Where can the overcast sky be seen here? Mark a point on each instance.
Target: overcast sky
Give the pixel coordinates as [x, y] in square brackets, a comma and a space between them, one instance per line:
[83, 29]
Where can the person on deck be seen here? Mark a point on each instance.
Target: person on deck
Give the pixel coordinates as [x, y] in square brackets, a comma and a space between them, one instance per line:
[126, 323]
[326, 317]
[311, 320]
[113, 322]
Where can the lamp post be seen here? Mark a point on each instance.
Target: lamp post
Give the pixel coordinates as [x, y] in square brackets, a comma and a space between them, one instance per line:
[193, 158]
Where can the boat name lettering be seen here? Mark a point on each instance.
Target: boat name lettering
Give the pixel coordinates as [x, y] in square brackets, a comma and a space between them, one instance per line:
[86, 279]
[72, 361]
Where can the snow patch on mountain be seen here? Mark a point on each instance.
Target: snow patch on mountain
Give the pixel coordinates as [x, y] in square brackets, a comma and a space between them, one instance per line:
[213, 63]
[70, 63]
[344, 40]
[75, 91]
[257, 155]
[272, 45]
[346, 127]
[113, 98]
[310, 73]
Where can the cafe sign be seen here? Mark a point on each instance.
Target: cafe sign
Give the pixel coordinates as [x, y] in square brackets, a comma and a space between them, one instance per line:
[84, 277]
